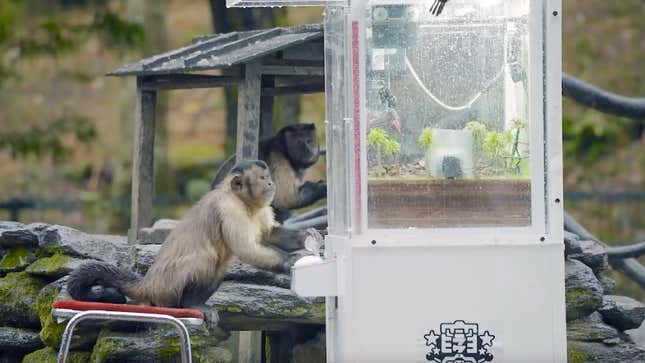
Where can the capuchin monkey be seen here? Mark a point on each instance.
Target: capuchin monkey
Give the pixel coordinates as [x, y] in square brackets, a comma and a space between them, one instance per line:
[234, 219]
[289, 154]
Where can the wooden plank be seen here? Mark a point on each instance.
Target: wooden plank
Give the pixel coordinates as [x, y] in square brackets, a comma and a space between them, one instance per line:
[290, 90]
[248, 113]
[266, 108]
[293, 70]
[312, 51]
[297, 80]
[187, 81]
[143, 161]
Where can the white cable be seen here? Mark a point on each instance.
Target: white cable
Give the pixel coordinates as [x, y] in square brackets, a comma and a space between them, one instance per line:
[438, 101]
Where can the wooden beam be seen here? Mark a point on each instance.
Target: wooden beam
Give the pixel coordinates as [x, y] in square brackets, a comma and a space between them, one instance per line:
[311, 51]
[293, 70]
[290, 90]
[143, 161]
[266, 108]
[298, 80]
[187, 81]
[248, 113]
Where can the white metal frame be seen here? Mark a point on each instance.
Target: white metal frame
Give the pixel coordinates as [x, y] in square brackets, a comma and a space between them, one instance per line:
[546, 165]
[78, 316]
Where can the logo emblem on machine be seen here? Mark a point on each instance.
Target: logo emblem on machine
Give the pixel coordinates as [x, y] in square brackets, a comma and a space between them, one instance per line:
[459, 342]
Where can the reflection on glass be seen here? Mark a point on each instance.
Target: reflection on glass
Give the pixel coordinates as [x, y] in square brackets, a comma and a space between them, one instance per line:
[447, 115]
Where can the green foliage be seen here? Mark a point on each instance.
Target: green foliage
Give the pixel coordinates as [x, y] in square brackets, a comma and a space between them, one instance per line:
[425, 139]
[48, 38]
[40, 141]
[497, 144]
[498, 151]
[384, 144]
[8, 17]
[586, 140]
[377, 137]
[117, 33]
[478, 130]
[28, 32]
[391, 147]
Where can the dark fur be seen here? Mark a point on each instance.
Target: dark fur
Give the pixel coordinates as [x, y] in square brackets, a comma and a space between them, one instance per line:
[297, 145]
[99, 281]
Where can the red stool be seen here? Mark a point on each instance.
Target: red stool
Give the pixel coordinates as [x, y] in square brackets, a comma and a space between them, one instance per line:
[77, 311]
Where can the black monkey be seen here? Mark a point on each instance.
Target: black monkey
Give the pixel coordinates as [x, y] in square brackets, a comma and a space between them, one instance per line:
[289, 153]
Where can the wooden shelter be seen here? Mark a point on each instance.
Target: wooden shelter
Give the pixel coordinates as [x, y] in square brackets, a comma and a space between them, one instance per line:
[261, 63]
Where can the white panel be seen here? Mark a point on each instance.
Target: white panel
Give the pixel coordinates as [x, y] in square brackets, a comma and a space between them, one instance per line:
[316, 278]
[399, 295]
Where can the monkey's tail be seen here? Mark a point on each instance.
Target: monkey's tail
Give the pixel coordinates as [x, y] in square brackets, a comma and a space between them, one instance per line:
[102, 282]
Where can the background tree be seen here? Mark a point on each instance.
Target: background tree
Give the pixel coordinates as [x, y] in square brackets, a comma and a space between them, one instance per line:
[226, 20]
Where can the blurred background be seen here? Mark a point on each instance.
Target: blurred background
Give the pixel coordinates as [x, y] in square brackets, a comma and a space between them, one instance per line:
[66, 128]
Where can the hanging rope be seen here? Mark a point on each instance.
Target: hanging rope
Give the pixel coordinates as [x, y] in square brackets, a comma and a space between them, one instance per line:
[444, 105]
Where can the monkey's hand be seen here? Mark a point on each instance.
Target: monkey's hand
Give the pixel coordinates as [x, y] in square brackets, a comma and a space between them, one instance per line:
[287, 239]
[291, 259]
[310, 192]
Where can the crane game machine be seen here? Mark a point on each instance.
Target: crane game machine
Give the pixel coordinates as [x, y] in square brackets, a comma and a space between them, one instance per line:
[444, 171]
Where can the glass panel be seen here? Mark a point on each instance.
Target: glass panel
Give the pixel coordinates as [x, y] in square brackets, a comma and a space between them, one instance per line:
[280, 3]
[447, 114]
[337, 109]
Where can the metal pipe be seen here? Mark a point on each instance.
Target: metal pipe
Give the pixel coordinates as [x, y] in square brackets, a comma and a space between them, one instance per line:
[634, 250]
[184, 337]
[601, 100]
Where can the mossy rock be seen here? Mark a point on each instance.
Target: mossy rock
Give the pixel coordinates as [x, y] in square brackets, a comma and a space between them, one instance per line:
[154, 345]
[576, 356]
[16, 259]
[580, 303]
[18, 294]
[49, 355]
[583, 291]
[591, 329]
[51, 332]
[617, 352]
[55, 266]
[259, 307]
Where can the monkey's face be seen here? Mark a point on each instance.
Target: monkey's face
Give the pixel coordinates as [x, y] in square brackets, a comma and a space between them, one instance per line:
[254, 186]
[302, 145]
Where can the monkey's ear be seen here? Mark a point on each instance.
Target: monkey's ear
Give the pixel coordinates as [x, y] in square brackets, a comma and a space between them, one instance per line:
[236, 183]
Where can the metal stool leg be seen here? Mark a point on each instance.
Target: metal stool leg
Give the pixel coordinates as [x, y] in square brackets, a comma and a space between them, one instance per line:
[184, 337]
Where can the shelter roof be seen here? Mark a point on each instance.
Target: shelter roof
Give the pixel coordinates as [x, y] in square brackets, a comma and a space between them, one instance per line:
[222, 50]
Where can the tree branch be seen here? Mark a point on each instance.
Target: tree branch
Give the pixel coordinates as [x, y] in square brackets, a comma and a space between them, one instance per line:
[629, 266]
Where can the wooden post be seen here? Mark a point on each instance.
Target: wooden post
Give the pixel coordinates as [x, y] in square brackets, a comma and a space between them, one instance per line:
[280, 346]
[142, 163]
[248, 113]
[250, 347]
[266, 108]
